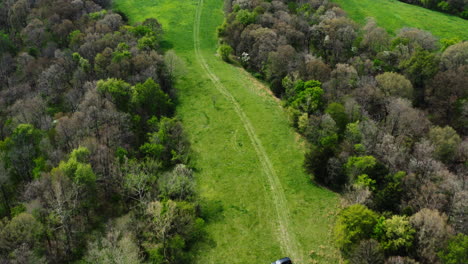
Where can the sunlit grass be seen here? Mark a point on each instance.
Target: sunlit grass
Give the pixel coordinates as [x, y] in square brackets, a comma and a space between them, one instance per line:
[394, 15]
[236, 198]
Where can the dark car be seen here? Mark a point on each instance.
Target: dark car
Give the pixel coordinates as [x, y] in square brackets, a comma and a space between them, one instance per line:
[283, 261]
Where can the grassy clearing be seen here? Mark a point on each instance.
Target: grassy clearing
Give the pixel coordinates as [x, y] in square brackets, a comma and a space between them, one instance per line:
[237, 198]
[394, 15]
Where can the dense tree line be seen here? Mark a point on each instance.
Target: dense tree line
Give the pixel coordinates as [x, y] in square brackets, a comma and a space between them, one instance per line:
[456, 7]
[385, 117]
[93, 165]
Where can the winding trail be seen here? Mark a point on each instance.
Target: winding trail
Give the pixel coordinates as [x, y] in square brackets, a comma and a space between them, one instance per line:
[289, 244]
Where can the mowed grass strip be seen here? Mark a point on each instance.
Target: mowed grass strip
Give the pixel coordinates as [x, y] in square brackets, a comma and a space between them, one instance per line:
[236, 196]
[394, 15]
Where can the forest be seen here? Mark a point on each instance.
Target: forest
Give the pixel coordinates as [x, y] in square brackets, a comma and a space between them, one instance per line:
[93, 165]
[385, 118]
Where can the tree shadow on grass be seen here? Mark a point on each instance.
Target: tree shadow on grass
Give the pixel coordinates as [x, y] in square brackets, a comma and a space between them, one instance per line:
[166, 45]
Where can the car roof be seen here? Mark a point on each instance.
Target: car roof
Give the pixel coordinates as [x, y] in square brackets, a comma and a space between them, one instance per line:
[284, 260]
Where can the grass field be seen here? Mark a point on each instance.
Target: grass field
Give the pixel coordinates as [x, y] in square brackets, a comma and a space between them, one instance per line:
[258, 202]
[394, 15]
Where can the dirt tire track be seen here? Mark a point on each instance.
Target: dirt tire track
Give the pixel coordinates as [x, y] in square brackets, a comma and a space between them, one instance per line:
[287, 240]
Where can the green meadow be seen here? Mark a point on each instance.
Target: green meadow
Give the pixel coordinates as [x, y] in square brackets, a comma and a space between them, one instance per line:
[394, 15]
[258, 202]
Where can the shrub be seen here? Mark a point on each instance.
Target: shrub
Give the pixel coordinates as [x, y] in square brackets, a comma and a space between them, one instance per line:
[354, 224]
[225, 51]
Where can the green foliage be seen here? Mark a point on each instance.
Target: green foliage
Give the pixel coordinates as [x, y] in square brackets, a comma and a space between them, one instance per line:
[148, 43]
[338, 113]
[119, 90]
[395, 234]
[121, 52]
[359, 148]
[388, 196]
[21, 149]
[308, 97]
[364, 181]
[456, 251]
[21, 229]
[356, 166]
[224, 52]
[15, 211]
[353, 133]
[447, 42]
[446, 141]
[443, 6]
[5, 43]
[329, 141]
[98, 15]
[395, 15]
[82, 62]
[314, 162]
[76, 167]
[168, 145]
[354, 224]
[40, 166]
[140, 31]
[149, 100]
[74, 37]
[246, 17]
[421, 66]
[222, 29]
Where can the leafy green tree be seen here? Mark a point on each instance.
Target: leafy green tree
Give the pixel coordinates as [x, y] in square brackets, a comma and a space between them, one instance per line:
[353, 133]
[21, 149]
[82, 62]
[356, 166]
[118, 90]
[355, 223]
[396, 234]
[77, 167]
[246, 17]
[338, 113]
[314, 163]
[394, 84]
[21, 229]
[447, 42]
[446, 141]
[148, 43]
[224, 51]
[308, 97]
[121, 52]
[322, 131]
[5, 43]
[148, 99]
[422, 66]
[168, 144]
[388, 195]
[456, 251]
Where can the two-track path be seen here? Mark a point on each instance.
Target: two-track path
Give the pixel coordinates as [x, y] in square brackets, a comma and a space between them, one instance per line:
[257, 202]
[289, 245]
